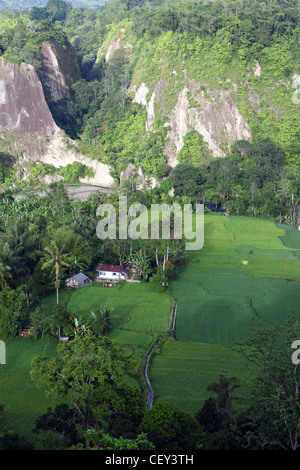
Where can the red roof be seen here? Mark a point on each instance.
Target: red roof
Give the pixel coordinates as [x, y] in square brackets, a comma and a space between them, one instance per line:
[112, 268]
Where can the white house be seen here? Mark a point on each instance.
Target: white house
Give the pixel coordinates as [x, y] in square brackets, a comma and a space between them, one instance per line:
[111, 272]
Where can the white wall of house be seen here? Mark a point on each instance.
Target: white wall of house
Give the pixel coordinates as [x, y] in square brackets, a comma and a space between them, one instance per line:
[111, 275]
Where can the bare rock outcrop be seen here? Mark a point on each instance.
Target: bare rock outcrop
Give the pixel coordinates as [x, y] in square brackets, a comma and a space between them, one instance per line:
[25, 120]
[59, 70]
[117, 44]
[212, 113]
[112, 48]
[156, 97]
[141, 180]
[58, 155]
[27, 128]
[257, 69]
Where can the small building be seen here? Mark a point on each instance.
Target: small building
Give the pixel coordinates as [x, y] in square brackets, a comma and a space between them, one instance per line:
[78, 280]
[64, 339]
[112, 272]
[226, 214]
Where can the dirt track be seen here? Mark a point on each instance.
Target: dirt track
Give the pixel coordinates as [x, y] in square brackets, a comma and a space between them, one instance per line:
[82, 192]
[75, 192]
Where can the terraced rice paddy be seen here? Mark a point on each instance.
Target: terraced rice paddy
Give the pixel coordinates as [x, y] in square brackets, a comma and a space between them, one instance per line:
[247, 272]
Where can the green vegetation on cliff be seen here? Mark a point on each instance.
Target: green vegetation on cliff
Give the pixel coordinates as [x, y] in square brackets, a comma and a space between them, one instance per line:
[248, 50]
[195, 83]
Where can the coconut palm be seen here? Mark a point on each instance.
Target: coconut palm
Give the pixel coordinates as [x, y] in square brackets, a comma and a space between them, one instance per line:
[100, 320]
[55, 258]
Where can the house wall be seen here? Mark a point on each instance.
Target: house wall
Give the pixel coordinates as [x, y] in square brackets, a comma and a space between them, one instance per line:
[109, 275]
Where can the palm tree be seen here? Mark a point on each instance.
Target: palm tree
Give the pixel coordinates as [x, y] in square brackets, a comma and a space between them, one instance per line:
[100, 320]
[55, 258]
[21, 247]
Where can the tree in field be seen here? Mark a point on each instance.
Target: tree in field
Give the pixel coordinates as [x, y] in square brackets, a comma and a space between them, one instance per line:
[223, 389]
[12, 311]
[87, 372]
[38, 322]
[55, 258]
[170, 428]
[209, 417]
[100, 320]
[97, 321]
[59, 321]
[223, 426]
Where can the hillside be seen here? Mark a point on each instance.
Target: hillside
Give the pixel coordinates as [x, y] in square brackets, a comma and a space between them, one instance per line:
[169, 104]
[235, 82]
[157, 86]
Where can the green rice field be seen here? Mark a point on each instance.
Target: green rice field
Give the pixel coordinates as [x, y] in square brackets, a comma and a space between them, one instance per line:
[139, 315]
[18, 392]
[181, 372]
[248, 271]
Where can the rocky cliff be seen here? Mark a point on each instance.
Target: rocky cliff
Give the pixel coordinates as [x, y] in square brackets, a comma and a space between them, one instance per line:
[27, 128]
[118, 44]
[212, 113]
[195, 84]
[59, 70]
[25, 118]
[211, 110]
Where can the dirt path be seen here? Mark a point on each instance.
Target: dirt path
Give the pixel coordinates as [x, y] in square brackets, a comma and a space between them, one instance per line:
[82, 192]
[75, 192]
[145, 372]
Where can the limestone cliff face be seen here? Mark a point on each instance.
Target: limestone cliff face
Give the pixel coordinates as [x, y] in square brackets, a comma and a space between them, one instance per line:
[27, 128]
[212, 113]
[59, 70]
[58, 155]
[156, 97]
[25, 119]
[119, 44]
